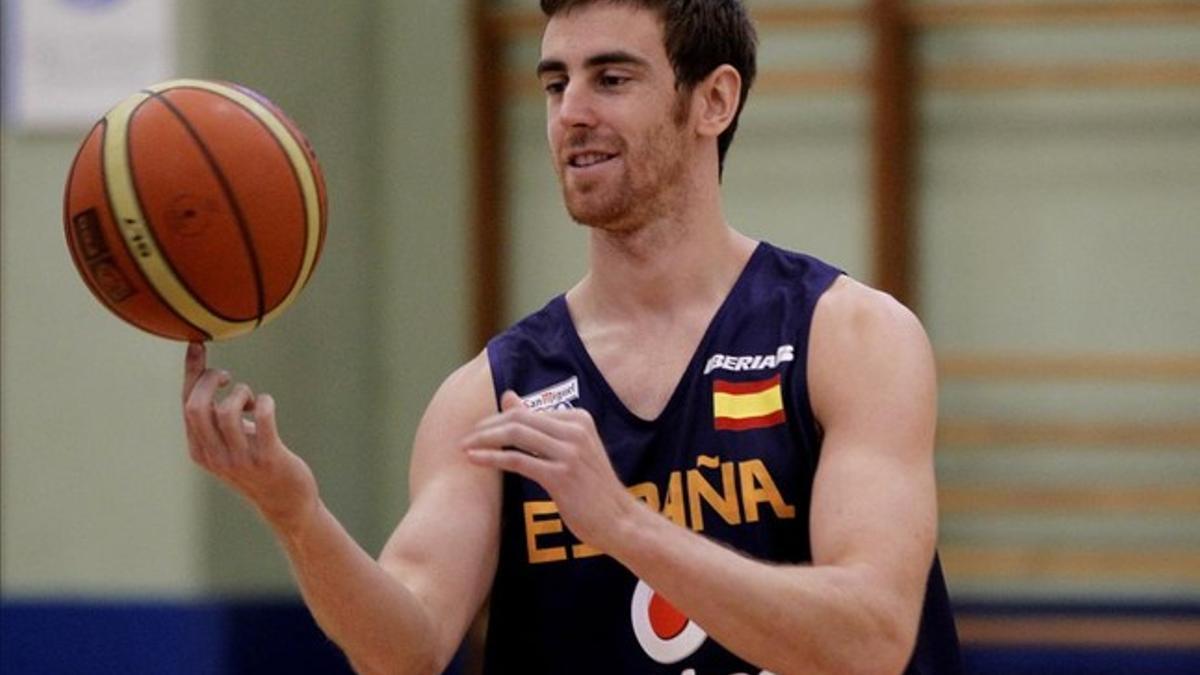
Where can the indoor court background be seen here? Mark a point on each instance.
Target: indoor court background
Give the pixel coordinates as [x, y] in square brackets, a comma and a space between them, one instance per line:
[1046, 201]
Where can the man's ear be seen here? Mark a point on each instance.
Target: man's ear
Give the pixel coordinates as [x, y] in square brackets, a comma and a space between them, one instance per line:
[716, 100]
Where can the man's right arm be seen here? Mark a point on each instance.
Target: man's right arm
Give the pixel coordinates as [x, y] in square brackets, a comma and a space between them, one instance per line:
[408, 611]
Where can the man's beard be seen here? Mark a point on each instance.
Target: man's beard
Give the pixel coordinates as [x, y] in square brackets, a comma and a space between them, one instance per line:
[619, 204]
[622, 205]
[607, 206]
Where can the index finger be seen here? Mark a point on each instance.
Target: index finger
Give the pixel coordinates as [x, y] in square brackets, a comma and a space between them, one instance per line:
[193, 367]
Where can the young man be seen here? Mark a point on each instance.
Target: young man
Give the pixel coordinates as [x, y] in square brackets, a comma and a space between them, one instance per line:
[710, 456]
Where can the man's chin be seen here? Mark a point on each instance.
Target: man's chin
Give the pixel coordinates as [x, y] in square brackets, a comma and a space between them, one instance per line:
[600, 216]
[593, 210]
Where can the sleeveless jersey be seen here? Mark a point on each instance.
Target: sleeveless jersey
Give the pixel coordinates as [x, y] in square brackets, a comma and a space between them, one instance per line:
[732, 456]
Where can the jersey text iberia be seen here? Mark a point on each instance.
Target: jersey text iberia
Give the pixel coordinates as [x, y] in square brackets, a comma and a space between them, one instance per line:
[782, 355]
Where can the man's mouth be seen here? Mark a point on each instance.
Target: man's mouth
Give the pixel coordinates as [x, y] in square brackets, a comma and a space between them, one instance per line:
[586, 159]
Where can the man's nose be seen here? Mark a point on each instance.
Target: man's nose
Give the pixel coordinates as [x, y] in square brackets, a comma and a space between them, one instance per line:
[576, 108]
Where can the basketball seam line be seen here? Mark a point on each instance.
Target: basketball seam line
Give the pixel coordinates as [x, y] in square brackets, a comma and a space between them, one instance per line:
[227, 188]
[300, 156]
[166, 259]
[296, 278]
[307, 267]
[67, 218]
[150, 287]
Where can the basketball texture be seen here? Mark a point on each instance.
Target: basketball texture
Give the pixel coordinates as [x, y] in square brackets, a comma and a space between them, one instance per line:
[195, 210]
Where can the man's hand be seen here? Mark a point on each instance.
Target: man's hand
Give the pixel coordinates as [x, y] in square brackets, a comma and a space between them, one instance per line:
[244, 453]
[561, 451]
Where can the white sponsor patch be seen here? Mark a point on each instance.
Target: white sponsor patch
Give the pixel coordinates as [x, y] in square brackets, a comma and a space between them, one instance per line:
[676, 642]
[783, 354]
[555, 397]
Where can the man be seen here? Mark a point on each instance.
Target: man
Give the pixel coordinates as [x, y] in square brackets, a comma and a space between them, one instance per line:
[710, 456]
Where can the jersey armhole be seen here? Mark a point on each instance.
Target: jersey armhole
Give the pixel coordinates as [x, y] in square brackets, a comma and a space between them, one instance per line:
[810, 423]
[499, 382]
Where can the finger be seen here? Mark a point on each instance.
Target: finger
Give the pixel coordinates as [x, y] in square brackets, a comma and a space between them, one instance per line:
[510, 400]
[266, 436]
[514, 434]
[195, 446]
[199, 411]
[555, 426]
[193, 367]
[513, 462]
[575, 415]
[578, 425]
[229, 421]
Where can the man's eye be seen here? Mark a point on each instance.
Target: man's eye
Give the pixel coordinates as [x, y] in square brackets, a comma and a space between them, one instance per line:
[554, 87]
[610, 81]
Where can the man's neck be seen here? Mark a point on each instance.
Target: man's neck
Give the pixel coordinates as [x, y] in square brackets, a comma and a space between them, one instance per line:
[682, 263]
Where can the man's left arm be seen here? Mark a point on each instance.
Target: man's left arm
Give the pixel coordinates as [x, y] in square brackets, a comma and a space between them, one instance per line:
[873, 520]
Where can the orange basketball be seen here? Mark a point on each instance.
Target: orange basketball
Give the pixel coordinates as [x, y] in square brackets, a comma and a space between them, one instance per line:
[195, 210]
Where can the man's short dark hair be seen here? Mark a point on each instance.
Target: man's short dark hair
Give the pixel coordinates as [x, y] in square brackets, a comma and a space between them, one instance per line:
[699, 36]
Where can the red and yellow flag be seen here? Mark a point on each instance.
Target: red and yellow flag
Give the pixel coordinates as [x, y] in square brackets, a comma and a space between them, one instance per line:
[738, 406]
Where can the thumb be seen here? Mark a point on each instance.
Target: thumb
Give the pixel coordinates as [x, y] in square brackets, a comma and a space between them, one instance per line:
[510, 400]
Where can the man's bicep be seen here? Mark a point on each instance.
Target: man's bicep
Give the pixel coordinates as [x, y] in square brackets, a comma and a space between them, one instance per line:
[881, 511]
[445, 548]
[873, 386]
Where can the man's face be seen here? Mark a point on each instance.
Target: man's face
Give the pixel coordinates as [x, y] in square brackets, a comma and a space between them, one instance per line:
[616, 124]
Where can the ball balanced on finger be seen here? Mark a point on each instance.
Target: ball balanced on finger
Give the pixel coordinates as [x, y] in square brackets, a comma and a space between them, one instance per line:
[195, 210]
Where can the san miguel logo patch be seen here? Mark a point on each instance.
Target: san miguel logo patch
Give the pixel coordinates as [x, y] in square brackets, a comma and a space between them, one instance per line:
[738, 406]
[555, 397]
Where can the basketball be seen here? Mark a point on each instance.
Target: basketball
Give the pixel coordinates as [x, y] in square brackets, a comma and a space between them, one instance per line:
[195, 210]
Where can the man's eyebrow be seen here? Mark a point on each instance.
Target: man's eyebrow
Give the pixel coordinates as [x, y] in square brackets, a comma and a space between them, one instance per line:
[550, 66]
[615, 57]
[601, 59]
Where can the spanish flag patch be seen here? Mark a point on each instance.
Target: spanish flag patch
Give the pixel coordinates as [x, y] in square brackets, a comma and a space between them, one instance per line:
[738, 406]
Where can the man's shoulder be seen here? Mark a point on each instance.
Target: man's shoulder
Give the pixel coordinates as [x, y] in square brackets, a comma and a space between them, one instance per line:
[536, 344]
[853, 320]
[549, 319]
[864, 343]
[775, 273]
[793, 262]
[465, 394]
[852, 304]
[841, 299]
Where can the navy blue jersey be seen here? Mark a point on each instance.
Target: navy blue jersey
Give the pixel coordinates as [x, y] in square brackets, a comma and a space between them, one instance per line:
[732, 456]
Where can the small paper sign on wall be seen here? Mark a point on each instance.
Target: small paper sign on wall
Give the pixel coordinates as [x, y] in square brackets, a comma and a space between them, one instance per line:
[66, 62]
